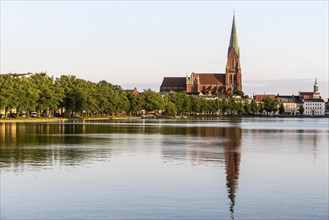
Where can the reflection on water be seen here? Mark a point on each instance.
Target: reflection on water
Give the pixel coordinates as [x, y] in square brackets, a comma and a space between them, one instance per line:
[232, 161]
[41, 146]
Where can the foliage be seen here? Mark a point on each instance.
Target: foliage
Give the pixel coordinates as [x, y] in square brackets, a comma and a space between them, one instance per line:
[253, 107]
[170, 109]
[152, 101]
[78, 97]
[181, 101]
[301, 109]
[270, 106]
[241, 94]
[281, 109]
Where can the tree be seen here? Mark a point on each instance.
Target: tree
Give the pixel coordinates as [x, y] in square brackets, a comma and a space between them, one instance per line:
[50, 94]
[170, 109]
[181, 101]
[239, 107]
[74, 95]
[8, 96]
[281, 109]
[195, 104]
[232, 105]
[135, 102]
[253, 107]
[267, 105]
[301, 109]
[261, 107]
[247, 107]
[122, 104]
[239, 93]
[152, 100]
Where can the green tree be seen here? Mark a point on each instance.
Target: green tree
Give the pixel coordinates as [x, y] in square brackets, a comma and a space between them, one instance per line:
[152, 101]
[247, 107]
[253, 107]
[239, 93]
[135, 102]
[224, 107]
[281, 109]
[170, 109]
[232, 105]
[74, 97]
[8, 96]
[261, 107]
[122, 104]
[239, 108]
[50, 93]
[301, 109]
[29, 94]
[267, 105]
[195, 104]
[181, 101]
[270, 105]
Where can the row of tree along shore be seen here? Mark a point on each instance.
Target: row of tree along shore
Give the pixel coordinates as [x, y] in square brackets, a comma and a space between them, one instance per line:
[69, 96]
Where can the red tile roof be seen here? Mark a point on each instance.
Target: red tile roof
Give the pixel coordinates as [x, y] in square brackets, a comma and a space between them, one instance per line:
[211, 78]
[260, 98]
[306, 95]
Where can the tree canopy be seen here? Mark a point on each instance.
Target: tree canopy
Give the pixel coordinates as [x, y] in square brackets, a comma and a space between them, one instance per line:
[72, 96]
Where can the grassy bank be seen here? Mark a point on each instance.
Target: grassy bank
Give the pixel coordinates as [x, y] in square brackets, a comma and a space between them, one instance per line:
[26, 120]
[33, 120]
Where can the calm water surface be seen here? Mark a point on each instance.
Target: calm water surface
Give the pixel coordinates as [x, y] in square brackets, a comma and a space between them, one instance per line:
[165, 169]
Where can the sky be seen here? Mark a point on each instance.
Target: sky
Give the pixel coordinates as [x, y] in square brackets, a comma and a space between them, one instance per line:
[283, 45]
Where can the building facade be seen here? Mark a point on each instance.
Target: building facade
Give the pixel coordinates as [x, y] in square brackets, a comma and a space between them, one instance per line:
[291, 103]
[313, 104]
[314, 107]
[224, 84]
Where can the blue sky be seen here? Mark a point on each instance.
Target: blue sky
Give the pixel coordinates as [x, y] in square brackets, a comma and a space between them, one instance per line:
[137, 43]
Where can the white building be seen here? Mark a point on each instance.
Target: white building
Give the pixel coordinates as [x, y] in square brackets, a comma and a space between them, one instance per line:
[314, 107]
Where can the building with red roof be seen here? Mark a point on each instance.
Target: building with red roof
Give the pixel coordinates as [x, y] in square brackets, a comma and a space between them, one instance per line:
[224, 84]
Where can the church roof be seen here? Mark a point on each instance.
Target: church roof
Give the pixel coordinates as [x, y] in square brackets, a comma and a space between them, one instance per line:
[174, 82]
[211, 78]
[234, 38]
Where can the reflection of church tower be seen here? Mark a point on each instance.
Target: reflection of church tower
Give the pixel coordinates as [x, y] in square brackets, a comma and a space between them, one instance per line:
[233, 77]
[232, 164]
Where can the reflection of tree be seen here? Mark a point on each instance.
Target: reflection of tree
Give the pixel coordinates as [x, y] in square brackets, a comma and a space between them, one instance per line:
[42, 144]
[73, 144]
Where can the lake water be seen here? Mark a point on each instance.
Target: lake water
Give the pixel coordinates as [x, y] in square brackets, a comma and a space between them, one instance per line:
[165, 169]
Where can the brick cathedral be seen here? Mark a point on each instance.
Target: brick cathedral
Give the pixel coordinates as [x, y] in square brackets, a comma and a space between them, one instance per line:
[221, 84]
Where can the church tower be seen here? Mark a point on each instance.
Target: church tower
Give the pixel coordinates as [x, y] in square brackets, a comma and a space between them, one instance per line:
[316, 93]
[233, 77]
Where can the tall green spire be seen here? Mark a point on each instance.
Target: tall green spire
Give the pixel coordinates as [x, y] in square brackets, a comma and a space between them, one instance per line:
[234, 38]
[316, 87]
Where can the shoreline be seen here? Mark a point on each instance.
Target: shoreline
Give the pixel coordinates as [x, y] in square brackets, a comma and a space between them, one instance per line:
[47, 120]
[38, 120]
